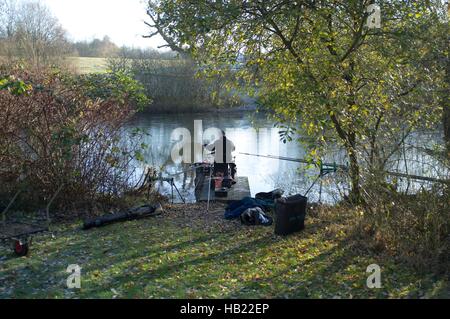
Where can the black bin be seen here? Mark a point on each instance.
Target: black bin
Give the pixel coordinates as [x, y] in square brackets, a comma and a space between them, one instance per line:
[290, 215]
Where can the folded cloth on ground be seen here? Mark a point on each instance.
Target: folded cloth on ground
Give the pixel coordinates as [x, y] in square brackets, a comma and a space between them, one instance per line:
[234, 210]
[255, 216]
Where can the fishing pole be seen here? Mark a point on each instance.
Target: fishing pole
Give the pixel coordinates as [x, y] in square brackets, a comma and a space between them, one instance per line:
[328, 166]
[325, 166]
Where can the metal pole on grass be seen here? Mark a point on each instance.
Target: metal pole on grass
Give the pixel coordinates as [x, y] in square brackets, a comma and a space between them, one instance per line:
[171, 185]
[51, 202]
[9, 206]
[209, 188]
[178, 191]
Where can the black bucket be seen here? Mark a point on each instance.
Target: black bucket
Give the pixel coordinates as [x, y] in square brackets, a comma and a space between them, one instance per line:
[290, 215]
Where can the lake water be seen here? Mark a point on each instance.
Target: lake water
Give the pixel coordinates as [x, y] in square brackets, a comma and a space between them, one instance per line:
[253, 133]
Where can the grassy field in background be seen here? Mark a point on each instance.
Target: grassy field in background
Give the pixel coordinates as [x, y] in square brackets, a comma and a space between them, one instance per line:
[186, 253]
[85, 65]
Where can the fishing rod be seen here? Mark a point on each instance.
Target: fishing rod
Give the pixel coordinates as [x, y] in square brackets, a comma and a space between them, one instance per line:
[327, 167]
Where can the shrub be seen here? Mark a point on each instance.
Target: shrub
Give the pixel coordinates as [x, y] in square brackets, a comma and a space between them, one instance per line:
[59, 130]
[415, 228]
[117, 86]
[175, 84]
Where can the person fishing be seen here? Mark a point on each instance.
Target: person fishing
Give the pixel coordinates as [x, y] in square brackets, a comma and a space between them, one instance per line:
[223, 150]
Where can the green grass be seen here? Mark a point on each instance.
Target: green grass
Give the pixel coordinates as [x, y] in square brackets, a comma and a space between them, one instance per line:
[183, 254]
[85, 65]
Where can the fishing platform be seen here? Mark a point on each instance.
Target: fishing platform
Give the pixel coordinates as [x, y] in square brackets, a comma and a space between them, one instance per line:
[211, 186]
[237, 191]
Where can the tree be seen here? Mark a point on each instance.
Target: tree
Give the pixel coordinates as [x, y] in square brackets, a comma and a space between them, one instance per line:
[97, 48]
[446, 118]
[8, 10]
[32, 33]
[7, 17]
[317, 63]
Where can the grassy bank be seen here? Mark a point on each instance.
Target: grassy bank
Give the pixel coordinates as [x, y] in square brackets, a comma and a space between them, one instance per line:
[188, 254]
[86, 65]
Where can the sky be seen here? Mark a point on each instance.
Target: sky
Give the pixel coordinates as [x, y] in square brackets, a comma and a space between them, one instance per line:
[121, 20]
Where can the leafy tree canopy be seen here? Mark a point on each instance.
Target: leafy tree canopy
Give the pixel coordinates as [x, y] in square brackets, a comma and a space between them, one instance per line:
[317, 63]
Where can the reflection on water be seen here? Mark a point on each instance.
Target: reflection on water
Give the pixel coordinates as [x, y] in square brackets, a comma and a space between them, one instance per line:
[252, 134]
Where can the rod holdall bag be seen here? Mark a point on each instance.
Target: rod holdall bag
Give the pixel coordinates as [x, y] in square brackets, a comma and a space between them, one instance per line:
[290, 215]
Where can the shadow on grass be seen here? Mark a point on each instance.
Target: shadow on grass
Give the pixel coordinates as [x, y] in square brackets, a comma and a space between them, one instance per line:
[160, 258]
[167, 271]
[95, 250]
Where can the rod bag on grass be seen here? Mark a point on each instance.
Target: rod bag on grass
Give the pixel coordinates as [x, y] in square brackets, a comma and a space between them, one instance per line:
[132, 214]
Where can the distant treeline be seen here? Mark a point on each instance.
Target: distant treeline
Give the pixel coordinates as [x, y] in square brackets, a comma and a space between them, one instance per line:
[30, 33]
[97, 48]
[105, 48]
